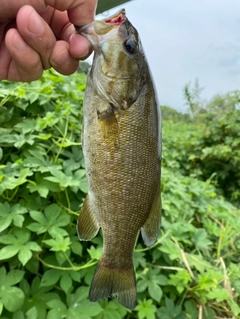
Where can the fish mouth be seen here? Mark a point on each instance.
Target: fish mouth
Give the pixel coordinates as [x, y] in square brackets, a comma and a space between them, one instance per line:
[117, 18]
[95, 30]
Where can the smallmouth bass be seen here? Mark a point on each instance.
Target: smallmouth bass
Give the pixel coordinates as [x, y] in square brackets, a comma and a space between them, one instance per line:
[122, 149]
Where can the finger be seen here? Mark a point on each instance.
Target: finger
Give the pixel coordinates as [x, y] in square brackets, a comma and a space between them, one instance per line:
[5, 58]
[23, 63]
[79, 47]
[61, 60]
[59, 24]
[36, 32]
[83, 13]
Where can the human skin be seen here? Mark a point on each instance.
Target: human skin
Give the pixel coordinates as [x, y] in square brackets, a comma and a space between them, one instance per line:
[36, 35]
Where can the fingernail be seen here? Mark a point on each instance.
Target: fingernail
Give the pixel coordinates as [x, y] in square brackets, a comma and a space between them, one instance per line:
[18, 42]
[36, 25]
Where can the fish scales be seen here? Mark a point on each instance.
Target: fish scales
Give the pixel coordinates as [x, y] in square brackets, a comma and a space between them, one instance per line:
[122, 149]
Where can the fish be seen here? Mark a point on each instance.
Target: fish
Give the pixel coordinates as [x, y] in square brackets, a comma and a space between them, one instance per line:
[121, 140]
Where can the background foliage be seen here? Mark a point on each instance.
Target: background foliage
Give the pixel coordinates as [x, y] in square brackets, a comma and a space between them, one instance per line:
[193, 270]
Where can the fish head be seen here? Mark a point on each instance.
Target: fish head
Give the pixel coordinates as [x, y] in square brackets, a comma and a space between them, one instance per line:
[117, 73]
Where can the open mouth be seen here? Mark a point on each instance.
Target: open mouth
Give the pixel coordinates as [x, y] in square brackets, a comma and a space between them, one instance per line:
[117, 18]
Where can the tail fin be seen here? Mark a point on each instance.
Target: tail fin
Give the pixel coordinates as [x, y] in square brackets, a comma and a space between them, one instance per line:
[108, 282]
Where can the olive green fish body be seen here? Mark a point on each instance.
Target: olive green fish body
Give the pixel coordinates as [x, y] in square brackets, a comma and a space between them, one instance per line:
[122, 149]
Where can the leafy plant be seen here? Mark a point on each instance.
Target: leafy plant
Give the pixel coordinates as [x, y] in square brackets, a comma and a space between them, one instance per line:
[214, 151]
[193, 269]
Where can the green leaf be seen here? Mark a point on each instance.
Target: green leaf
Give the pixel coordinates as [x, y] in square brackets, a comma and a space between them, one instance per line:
[111, 309]
[191, 309]
[59, 177]
[11, 297]
[37, 161]
[33, 266]
[31, 245]
[77, 297]
[76, 246]
[18, 315]
[56, 304]
[51, 221]
[95, 253]
[11, 278]
[75, 181]
[58, 309]
[8, 252]
[208, 313]
[10, 215]
[24, 255]
[80, 306]
[61, 257]
[40, 188]
[49, 120]
[14, 178]
[180, 280]
[75, 275]
[155, 292]
[50, 277]
[171, 249]
[58, 244]
[26, 126]
[19, 245]
[1, 307]
[66, 282]
[24, 286]
[201, 240]
[39, 296]
[32, 313]
[198, 262]
[56, 313]
[170, 310]
[151, 280]
[146, 309]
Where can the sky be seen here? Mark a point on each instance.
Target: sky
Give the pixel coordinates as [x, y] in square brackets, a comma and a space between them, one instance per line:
[185, 40]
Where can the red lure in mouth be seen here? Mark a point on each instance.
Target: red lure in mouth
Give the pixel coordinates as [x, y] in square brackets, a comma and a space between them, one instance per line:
[117, 19]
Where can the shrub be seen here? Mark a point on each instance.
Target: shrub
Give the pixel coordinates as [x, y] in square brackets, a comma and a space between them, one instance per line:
[213, 150]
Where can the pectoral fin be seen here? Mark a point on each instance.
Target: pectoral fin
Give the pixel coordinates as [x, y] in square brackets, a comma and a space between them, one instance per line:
[109, 126]
[150, 229]
[87, 226]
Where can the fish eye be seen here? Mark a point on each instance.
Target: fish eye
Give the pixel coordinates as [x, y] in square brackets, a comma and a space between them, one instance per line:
[130, 46]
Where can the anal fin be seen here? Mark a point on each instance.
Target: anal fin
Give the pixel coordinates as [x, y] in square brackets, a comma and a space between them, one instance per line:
[87, 226]
[150, 229]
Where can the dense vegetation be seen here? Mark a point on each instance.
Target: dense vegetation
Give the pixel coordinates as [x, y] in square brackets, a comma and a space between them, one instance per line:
[192, 271]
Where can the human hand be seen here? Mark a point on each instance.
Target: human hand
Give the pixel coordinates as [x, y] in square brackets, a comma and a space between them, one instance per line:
[36, 35]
